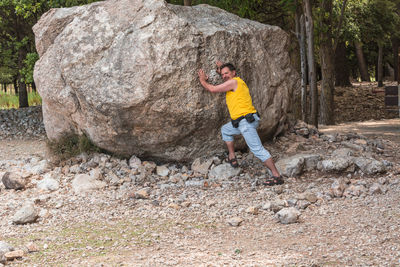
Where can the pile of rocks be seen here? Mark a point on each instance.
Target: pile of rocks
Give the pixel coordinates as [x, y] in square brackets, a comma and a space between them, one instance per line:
[23, 123]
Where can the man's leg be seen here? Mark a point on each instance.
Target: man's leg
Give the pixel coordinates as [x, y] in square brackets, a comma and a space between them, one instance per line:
[249, 132]
[228, 131]
[271, 165]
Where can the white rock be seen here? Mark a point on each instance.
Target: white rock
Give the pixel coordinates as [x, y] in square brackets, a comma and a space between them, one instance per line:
[26, 214]
[83, 183]
[288, 215]
[48, 184]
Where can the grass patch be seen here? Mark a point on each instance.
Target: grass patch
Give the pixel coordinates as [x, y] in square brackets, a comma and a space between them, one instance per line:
[8, 101]
[72, 145]
[86, 240]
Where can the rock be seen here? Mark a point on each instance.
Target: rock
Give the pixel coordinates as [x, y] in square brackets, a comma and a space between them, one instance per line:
[12, 255]
[369, 166]
[223, 172]
[235, 221]
[275, 205]
[252, 210]
[335, 164]
[375, 188]
[38, 168]
[310, 161]
[162, 170]
[342, 152]
[143, 193]
[135, 162]
[5, 247]
[26, 214]
[337, 188]
[201, 165]
[31, 247]
[354, 190]
[302, 204]
[352, 146]
[292, 166]
[100, 73]
[174, 206]
[83, 183]
[48, 184]
[13, 180]
[329, 138]
[288, 215]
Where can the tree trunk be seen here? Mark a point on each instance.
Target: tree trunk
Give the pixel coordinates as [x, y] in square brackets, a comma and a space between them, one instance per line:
[380, 65]
[301, 35]
[187, 2]
[311, 62]
[23, 95]
[327, 66]
[342, 72]
[15, 86]
[361, 62]
[395, 47]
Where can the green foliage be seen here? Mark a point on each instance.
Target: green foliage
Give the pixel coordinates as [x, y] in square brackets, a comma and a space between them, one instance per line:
[71, 145]
[27, 70]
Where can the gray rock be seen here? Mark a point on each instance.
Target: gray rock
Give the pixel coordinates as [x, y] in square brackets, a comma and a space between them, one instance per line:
[275, 205]
[335, 164]
[143, 193]
[38, 168]
[288, 215]
[354, 190]
[223, 172]
[292, 166]
[337, 188]
[303, 204]
[235, 221]
[162, 170]
[195, 183]
[26, 214]
[48, 184]
[311, 161]
[375, 188]
[5, 247]
[352, 146]
[135, 162]
[83, 183]
[201, 165]
[342, 152]
[369, 166]
[13, 180]
[99, 73]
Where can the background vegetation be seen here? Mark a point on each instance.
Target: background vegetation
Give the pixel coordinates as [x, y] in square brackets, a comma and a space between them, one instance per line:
[346, 39]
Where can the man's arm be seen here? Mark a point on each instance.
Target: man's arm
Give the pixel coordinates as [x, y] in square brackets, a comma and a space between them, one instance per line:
[229, 85]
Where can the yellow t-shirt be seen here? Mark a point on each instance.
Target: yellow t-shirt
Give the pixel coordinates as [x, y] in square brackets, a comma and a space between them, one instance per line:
[239, 101]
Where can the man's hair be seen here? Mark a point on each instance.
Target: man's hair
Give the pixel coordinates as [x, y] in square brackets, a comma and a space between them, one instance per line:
[229, 66]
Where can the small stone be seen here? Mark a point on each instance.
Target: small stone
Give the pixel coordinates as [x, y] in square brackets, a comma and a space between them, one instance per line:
[235, 221]
[134, 162]
[186, 204]
[48, 184]
[5, 247]
[201, 165]
[211, 203]
[162, 170]
[13, 181]
[252, 210]
[375, 189]
[32, 247]
[174, 206]
[311, 197]
[288, 215]
[14, 255]
[142, 193]
[303, 204]
[27, 214]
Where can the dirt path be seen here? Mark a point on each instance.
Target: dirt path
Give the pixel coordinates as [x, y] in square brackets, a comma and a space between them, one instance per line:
[386, 129]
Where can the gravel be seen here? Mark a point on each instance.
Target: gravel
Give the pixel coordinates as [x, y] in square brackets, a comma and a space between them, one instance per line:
[130, 215]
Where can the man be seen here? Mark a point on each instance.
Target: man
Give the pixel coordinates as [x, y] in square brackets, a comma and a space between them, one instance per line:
[245, 118]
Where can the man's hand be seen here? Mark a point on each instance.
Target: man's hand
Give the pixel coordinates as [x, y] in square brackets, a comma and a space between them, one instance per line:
[219, 64]
[202, 76]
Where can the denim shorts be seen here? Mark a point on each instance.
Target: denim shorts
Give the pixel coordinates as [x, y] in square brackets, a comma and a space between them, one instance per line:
[249, 132]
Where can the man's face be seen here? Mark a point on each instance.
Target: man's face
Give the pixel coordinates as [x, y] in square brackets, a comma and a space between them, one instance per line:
[227, 74]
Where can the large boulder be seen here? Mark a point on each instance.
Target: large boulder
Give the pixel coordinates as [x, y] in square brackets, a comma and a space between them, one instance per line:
[124, 72]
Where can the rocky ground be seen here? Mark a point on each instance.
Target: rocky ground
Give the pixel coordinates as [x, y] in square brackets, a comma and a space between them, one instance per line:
[339, 205]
